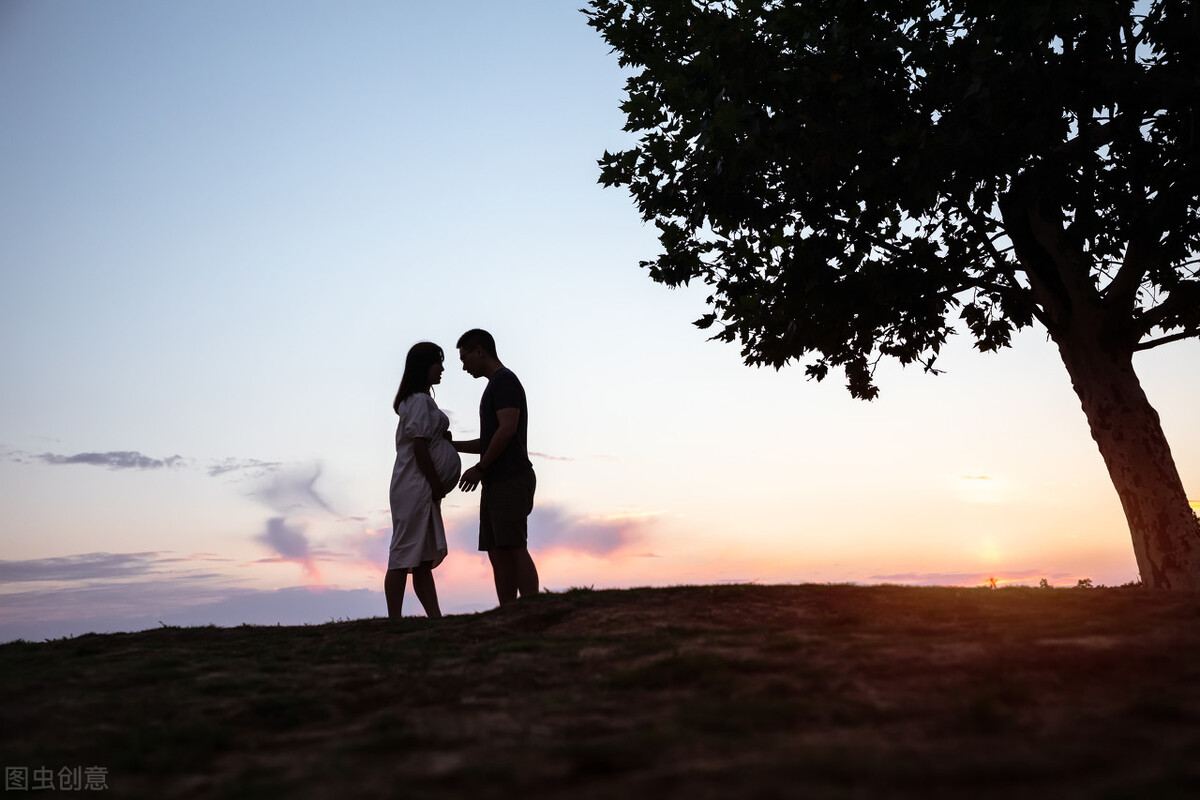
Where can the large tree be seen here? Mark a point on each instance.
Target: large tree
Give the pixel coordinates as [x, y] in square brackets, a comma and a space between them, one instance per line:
[857, 179]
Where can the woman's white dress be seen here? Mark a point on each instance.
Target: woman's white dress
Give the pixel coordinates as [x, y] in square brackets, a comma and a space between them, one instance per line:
[418, 535]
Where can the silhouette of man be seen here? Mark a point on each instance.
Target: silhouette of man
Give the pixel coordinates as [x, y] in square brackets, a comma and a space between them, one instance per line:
[504, 469]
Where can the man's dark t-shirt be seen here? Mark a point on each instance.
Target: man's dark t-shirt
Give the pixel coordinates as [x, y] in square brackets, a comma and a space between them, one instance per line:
[504, 391]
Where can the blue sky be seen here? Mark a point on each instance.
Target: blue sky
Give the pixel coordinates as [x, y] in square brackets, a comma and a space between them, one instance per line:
[222, 225]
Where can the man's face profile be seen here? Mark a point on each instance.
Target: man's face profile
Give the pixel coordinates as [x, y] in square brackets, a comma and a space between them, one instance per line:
[471, 358]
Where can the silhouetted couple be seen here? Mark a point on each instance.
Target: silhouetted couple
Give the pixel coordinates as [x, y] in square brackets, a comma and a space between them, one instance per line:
[428, 466]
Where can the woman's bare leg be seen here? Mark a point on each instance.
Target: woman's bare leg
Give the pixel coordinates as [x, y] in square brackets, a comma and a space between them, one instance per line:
[393, 589]
[426, 590]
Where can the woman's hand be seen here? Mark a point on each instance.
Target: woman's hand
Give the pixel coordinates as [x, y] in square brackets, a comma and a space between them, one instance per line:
[425, 464]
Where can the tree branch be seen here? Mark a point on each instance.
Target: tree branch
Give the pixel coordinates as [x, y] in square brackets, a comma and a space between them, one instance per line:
[1175, 337]
[979, 224]
[1174, 302]
[1014, 292]
[1049, 289]
[1122, 291]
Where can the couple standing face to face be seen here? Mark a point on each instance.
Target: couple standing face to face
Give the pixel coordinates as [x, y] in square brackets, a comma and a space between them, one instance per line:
[503, 473]
[473, 363]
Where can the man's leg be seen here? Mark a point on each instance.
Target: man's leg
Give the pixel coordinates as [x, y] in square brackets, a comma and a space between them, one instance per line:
[514, 573]
[504, 513]
[527, 575]
[504, 573]
[393, 589]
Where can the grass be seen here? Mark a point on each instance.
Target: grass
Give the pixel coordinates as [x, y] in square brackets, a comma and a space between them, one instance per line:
[746, 691]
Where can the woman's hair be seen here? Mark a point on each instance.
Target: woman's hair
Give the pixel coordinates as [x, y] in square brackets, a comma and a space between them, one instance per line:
[421, 356]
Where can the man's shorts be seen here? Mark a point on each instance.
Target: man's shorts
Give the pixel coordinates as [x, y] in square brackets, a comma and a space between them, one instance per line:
[504, 507]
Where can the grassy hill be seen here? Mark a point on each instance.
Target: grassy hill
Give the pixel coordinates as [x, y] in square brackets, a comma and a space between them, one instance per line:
[732, 691]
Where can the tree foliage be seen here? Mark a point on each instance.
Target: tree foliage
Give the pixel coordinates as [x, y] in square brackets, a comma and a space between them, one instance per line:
[851, 178]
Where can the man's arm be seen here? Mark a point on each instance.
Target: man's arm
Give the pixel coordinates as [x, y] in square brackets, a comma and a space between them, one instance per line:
[507, 419]
[469, 446]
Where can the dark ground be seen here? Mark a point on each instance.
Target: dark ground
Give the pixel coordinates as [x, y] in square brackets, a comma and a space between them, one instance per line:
[691, 692]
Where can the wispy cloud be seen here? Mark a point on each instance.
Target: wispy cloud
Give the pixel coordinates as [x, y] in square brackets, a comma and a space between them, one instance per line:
[554, 528]
[290, 543]
[101, 567]
[289, 490]
[290, 493]
[227, 465]
[86, 566]
[116, 459]
[550, 457]
[135, 460]
[100, 592]
[186, 600]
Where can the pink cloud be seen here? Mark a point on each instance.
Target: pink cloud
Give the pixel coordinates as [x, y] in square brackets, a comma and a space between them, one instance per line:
[554, 528]
[290, 544]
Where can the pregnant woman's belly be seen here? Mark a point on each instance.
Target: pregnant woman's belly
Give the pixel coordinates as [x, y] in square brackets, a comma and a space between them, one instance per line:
[446, 462]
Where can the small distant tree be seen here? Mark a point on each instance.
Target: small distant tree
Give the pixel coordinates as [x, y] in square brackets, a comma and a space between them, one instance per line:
[854, 179]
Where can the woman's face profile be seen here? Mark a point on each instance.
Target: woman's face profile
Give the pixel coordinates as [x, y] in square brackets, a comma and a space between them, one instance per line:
[435, 373]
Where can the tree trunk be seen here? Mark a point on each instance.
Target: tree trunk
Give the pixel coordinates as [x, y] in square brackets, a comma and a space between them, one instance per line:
[1095, 339]
[1165, 531]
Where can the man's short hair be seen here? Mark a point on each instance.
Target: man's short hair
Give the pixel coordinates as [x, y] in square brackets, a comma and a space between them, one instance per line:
[477, 337]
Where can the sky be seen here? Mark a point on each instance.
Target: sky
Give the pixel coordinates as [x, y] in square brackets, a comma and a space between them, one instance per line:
[223, 224]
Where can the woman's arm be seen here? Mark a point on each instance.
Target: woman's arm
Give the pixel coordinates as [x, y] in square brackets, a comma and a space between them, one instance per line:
[425, 464]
